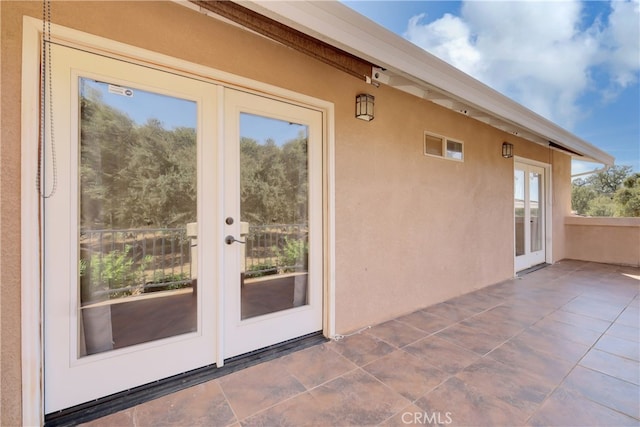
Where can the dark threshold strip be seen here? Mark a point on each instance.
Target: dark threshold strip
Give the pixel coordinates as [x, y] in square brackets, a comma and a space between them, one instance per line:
[532, 269]
[104, 406]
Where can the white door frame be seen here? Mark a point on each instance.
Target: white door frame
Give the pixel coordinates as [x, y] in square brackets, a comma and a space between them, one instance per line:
[31, 263]
[548, 201]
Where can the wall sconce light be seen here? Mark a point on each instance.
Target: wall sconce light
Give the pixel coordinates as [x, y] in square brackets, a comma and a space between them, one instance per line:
[507, 150]
[364, 106]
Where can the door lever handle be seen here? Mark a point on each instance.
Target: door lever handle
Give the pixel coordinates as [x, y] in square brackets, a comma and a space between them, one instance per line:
[230, 240]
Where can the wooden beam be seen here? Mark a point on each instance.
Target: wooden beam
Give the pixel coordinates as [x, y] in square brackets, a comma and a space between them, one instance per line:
[290, 37]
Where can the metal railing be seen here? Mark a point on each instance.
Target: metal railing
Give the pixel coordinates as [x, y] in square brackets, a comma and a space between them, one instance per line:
[122, 262]
[275, 248]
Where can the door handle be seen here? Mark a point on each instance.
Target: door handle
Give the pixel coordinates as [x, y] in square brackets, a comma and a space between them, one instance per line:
[230, 240]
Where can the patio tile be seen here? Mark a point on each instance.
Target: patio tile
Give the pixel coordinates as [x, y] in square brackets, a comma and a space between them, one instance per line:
[258, 387]
[506, 289]
[470, 338]
[468, 406]
[524, 312]
[476, 301]
[316, 365]
[397, 333]
[426, 322]
[449, 311]
[301, 410]
[200, 405]
[408, 375]
[612, 293]
[568, 408]
[121, 419]
[593, 308]
[361, 348]
[513, 386]
[442, 354]
[615, 366]
[540, 340]
[541, 331]
[630, 316]
[411, 415]
[523, 358]
[356, 398]
[579, 320]
[569, 332]
[605, 390]
[553, 297]
[618, 330]
[496, 322]
[619, 347]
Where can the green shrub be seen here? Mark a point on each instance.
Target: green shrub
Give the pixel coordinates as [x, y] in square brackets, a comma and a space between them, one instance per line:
[293, 254]
[113, 270]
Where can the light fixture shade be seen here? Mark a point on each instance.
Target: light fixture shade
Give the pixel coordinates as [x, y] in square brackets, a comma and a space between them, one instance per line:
[507, 150]
[364, 106]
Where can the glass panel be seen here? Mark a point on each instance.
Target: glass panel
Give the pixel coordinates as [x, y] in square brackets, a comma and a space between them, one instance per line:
[433, 145]
[535, 209]
[274, 211]
[454, 150]
[519, 210]
[137, 201]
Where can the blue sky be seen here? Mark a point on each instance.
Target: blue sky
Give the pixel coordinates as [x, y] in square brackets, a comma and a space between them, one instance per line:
[577, 63]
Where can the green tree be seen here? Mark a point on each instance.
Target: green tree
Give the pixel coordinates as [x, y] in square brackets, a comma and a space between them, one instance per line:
[134, 176]
[273, 181]
[581, 196]
[609, 180]
[601, 205]
[628, 197]
[612, 192]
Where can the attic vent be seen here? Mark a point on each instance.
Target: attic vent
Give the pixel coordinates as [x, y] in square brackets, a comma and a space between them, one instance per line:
[441, 146]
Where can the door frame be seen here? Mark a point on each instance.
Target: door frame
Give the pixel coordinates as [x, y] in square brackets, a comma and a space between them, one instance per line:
[243, 335]
[548, 214]
[32, 344]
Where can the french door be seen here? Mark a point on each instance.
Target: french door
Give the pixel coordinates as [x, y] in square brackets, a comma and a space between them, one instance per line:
[530, 214]
[159, 178]
[273, 222]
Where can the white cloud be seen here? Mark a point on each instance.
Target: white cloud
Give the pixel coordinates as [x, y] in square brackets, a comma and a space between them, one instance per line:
[449, 38]
[622, 40]
[538, 52]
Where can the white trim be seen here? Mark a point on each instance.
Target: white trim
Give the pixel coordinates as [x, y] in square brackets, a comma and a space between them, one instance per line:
[31, 303]
[31, 285]
[220, 230]
[420, 72]
[329, 325]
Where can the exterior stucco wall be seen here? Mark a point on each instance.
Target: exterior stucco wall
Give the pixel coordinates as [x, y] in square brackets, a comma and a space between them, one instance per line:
[561, 201]
[607, 240]
[411, 230]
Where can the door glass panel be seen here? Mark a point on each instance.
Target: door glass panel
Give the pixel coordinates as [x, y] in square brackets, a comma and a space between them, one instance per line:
[535, 197]
[519, 197]
[137, 188]
[274, 214]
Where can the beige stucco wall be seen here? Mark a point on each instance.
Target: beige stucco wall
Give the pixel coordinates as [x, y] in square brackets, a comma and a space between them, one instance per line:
[410, 230]
[607, 240]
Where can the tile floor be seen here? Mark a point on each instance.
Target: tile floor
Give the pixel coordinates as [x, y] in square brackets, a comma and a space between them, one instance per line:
[559, 346]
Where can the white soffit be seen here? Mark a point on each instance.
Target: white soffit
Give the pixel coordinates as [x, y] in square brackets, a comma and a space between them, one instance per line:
[407, 67]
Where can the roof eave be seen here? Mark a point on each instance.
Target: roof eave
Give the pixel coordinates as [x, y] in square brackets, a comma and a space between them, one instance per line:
[337, 24]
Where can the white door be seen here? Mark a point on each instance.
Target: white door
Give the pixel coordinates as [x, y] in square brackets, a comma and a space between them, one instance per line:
[273, 254]
[129, 264]
[529, 210]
